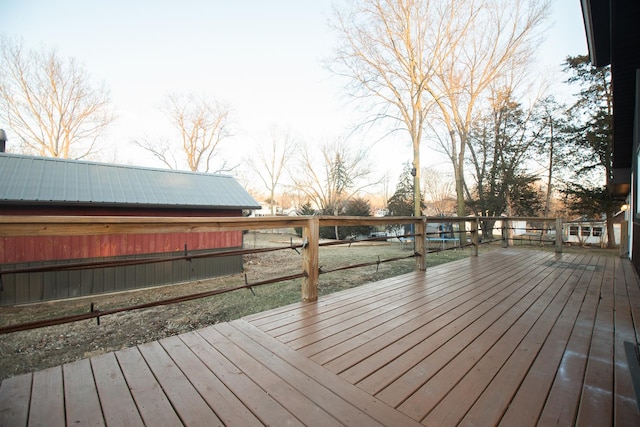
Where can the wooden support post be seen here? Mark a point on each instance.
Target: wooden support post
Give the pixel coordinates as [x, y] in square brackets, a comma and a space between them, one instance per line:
[505, 233]
[475, 240]
[420, 238]
[558, 235]
[624, 239]
[311, 237]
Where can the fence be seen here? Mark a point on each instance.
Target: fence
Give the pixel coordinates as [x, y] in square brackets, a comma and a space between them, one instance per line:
[448, 233]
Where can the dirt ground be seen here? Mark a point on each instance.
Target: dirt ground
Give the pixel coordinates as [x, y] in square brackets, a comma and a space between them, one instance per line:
[28, 351]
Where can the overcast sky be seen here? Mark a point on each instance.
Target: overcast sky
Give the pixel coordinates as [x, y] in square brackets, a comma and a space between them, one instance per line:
[263, 57]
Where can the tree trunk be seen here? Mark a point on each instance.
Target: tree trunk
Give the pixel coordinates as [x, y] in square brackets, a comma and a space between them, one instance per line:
[611, 237]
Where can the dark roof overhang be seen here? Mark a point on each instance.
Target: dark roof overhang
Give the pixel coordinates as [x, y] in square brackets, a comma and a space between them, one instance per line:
[613, 37]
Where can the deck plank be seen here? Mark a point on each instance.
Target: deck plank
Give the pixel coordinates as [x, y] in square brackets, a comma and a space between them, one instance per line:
[345, 333]
[376, 408]
[561, 407]
[387, 345]
[341, 410]
[497, 334]
[184, 398]
[296, 312]
[596, 401]
[434, 342]
[47, 398]
[526, 405]
[506, 363]
[228, 408]
[80, 395]
[15, 394]
[118, 406]
[633, 291]
[291, 316]
[254, 398]
[625, 404]
[306, 318]
[300, 406]
[152, 403]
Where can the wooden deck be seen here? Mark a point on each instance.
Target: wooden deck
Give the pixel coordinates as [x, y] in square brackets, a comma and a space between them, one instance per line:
[513, 337]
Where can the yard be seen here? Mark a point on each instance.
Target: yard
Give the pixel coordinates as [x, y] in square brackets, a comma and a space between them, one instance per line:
[27, 351]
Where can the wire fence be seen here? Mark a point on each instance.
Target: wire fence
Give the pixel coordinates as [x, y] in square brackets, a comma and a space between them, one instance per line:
[446, 237]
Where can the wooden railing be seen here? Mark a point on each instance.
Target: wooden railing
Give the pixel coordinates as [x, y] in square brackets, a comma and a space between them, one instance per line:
[468, 232]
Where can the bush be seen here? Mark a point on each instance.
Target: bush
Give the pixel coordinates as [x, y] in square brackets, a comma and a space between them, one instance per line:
[356, 207]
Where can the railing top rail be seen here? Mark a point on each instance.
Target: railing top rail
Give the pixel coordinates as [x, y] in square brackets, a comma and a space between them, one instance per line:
[13, 225]
[517, 218]
[84, 225]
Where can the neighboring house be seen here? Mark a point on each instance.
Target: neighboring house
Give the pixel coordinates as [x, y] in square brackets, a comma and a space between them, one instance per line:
[589, 233]
[50, 186]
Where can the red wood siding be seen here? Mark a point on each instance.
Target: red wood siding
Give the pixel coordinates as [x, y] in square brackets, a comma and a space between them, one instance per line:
[38, 248]
[46, 248]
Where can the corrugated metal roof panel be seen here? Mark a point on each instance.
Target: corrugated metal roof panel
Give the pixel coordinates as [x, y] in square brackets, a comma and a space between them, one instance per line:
[41, 179]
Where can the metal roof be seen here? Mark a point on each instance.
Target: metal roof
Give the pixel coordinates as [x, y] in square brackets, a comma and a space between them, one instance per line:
[28, 179]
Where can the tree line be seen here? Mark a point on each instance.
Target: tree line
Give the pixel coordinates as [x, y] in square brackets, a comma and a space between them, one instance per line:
[451, 75]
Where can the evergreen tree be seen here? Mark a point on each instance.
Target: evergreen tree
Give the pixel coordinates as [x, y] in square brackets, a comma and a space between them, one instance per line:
[401, 203]
[593, 141]
[499, 145]
[356, 207]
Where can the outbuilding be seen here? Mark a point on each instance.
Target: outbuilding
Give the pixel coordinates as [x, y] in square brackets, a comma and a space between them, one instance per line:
[50, 186]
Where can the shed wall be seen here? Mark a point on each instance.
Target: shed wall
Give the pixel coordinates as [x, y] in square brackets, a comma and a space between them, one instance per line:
[49, 248]
[29, 251]
[46, 286]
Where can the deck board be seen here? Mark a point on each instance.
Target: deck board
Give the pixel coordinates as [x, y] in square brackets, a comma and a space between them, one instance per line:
[81, 399]
[118, 406]
[561, 407]
[529, 399]
[15, 393]
[480, 358]
[47, 398]
[192, 409]
[152, 403]
[259, 403]
[512, 337]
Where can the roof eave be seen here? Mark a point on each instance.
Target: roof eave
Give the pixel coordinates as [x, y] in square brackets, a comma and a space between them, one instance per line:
[597, 22]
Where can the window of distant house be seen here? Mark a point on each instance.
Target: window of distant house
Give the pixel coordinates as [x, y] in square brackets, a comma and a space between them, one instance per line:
[573, 230]
[586, 232]
[597, 231]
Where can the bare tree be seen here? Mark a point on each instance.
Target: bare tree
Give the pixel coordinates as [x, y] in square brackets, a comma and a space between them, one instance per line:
[439, 187]
[412, 55]
[50, 103]
[385, 54]
[161, 149]
[497, 39]
[332, 176]
[271, 159]
[202, 124]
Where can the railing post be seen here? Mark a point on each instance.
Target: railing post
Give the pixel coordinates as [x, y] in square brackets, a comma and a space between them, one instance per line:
[310, 237]
[475, 240]
[420, 238]
[558, 235]
[505, 232]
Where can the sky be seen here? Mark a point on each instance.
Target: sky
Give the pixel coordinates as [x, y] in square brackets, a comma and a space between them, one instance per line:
[265, 58]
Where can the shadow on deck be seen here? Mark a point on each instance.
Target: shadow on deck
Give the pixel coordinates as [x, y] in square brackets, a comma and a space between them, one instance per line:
[512, 337]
